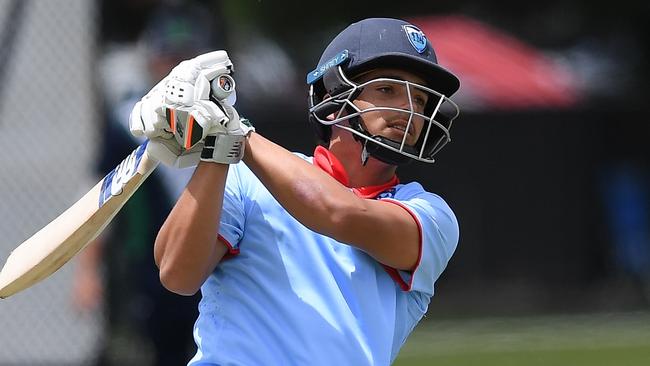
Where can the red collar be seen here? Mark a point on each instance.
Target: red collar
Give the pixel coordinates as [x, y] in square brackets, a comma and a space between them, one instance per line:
[325, 160]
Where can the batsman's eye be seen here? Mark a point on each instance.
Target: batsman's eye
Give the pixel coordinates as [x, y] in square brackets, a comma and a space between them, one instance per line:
[385, 89]
[420, 100]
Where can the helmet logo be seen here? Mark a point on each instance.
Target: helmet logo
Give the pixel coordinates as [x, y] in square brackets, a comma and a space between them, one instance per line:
[416, 37]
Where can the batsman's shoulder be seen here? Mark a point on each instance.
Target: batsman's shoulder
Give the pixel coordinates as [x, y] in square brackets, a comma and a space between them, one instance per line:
[415, 190]
[428, 204]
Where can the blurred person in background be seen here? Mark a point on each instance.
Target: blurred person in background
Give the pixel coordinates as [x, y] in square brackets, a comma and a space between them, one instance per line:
[118, 270]
[319, 260]
[626, 202]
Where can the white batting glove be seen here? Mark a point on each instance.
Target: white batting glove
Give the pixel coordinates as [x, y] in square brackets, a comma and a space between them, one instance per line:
[226, 143]
[190, 80]
[214, 122]
[172, 117]
[147, 117]
[225, 138]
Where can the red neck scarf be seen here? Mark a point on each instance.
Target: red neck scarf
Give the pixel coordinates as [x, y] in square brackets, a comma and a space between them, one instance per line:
[325, 160]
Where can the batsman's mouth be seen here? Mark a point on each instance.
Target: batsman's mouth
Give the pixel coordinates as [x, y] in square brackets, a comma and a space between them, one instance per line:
[398, 132]
[400, 125]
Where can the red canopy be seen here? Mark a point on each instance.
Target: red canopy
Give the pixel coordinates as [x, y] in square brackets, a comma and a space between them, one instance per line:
[498, 71]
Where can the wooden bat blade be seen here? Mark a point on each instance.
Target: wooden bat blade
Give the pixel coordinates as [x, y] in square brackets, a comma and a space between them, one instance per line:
[55, 244]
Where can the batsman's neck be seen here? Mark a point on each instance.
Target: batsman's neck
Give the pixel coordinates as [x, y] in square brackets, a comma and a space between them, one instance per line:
[348, 151]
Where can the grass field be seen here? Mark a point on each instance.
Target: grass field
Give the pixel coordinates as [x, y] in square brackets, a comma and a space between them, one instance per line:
[578, 340]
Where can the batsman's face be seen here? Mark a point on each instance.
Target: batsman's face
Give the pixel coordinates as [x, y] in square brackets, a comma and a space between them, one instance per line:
[390, 101]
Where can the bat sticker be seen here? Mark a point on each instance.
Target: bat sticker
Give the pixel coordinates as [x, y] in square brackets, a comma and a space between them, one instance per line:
[114, 181]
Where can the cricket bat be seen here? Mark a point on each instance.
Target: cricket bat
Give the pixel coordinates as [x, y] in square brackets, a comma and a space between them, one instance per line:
[55, 244]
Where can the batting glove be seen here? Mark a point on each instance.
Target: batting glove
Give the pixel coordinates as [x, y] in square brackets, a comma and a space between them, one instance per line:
[225, 138]
[176, 114]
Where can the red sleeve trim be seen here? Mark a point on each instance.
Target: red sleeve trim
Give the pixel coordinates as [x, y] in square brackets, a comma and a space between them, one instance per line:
[394, 273]
[232, 251]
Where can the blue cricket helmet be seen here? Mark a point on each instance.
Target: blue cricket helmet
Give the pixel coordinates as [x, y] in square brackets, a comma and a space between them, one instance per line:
[386, 42]
[380, 43]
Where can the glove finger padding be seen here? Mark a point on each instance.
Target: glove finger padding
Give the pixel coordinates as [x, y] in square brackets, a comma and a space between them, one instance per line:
[198, 72]
[211, 64]
[136, 124]
[148, 117]
[179, 92]
[192, 124]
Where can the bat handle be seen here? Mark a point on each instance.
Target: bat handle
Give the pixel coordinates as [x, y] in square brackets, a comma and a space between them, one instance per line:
[223, 89]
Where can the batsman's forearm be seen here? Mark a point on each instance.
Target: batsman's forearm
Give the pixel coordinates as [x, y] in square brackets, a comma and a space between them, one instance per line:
[306, 192]
[186, 248]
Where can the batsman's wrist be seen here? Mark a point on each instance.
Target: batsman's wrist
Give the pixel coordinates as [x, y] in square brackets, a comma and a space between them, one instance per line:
[223, 148]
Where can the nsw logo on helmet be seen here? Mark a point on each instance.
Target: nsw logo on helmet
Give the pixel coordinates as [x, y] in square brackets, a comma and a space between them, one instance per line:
[416, 37]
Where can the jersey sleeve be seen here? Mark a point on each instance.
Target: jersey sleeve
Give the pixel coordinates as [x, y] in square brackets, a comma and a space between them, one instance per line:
[231, 225]
[439, 233]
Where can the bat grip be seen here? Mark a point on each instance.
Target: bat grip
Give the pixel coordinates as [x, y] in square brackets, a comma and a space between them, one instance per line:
[222, 88]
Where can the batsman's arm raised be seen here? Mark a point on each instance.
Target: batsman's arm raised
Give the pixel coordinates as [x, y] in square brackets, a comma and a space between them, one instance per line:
[384, 230]
[186, 248]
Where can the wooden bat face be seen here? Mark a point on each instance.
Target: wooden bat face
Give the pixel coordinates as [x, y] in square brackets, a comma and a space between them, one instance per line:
[55, 244]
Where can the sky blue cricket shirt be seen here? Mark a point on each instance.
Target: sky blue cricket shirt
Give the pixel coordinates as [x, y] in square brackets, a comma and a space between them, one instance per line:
[291, 296]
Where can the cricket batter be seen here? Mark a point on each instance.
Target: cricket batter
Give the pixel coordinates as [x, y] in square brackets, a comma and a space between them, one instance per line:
[323, 260]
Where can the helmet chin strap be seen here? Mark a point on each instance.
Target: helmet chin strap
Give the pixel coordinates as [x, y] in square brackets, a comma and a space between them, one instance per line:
[364, 153]
[355, 122]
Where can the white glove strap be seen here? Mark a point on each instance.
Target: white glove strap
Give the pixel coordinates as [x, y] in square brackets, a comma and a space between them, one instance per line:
[224, 149]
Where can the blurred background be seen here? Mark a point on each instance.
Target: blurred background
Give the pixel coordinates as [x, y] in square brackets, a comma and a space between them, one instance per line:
[548, 170]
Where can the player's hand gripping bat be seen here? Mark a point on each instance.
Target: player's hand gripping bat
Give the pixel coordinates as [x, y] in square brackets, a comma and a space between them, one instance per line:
[55, 244]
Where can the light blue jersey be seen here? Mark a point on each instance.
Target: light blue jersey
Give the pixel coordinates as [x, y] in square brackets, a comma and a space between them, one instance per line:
[291, 296]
